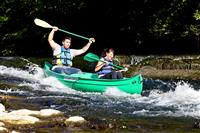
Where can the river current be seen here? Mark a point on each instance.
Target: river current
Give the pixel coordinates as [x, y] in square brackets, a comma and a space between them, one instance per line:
[160, 98]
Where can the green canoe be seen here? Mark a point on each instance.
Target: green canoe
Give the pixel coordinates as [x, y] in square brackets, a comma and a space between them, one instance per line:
[89, 82]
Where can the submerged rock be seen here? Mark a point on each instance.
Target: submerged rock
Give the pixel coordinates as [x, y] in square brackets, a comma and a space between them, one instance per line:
[41, 113]
[49, 112]
[25, 116]
[3, 130]
[24, 112]
[2, 108]
[2, 124]
[196, 125]
[18, 119]
[75, 121]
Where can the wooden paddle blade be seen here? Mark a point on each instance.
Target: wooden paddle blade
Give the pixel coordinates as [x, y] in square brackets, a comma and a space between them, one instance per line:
[91, 57]
[42, 23]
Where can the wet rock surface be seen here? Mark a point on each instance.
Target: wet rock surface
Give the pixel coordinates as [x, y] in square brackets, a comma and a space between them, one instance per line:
[163, 67]
[196, 124]
[58, 122]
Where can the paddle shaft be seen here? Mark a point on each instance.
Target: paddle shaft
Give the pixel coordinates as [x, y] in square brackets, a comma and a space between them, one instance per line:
[115, 66]
[74, 34]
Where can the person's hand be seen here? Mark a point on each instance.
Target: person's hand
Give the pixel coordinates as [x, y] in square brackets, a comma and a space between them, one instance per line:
[54, 28]
[124, 69]
[91, 40]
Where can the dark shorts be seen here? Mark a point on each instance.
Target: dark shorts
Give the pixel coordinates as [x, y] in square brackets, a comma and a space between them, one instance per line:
[112, 75]
[66, 69]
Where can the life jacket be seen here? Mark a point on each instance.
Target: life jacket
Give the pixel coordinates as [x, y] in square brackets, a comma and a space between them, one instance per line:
[106, 68]
[64, 58]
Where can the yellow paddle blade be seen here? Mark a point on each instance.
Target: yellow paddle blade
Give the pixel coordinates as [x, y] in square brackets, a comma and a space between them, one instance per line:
[42, 23]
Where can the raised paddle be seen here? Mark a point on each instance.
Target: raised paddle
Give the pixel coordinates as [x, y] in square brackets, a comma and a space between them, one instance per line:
[44, 24]
[94, 58]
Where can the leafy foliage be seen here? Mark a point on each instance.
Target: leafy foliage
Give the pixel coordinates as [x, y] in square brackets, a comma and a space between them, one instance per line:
[141, 26]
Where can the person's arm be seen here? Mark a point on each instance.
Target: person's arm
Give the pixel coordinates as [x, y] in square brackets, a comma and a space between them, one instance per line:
[99, 65]
[85, 48]
[52, 43]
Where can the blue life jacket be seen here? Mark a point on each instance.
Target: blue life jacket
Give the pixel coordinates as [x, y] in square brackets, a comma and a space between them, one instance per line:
[64, 58]
[106, 68]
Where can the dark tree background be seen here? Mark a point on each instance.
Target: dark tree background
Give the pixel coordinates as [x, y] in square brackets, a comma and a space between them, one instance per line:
[129, 26]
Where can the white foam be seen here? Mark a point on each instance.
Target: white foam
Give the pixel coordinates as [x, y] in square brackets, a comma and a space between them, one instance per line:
[24, 74]
[184, 101]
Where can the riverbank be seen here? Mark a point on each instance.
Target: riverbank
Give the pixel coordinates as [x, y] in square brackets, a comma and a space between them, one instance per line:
[163, 67]
[178, 74]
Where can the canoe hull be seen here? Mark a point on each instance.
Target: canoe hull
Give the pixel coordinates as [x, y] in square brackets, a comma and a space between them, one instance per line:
[89, 82]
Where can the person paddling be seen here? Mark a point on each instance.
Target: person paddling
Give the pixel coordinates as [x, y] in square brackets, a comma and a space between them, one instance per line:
[103, 67]
[63, 54]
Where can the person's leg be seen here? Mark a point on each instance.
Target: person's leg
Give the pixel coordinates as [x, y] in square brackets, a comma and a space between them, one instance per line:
[58, 70]
[107, 76]
[119, 75]
[71, 70]
[75, 70]
[111, 75]
[114, 75]
[66, 70]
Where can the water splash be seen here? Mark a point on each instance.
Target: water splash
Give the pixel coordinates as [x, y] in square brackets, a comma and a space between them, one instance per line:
[183, 101]
[164, 98]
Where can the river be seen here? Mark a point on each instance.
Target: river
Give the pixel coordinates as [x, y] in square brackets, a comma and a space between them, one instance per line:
[164, 105]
